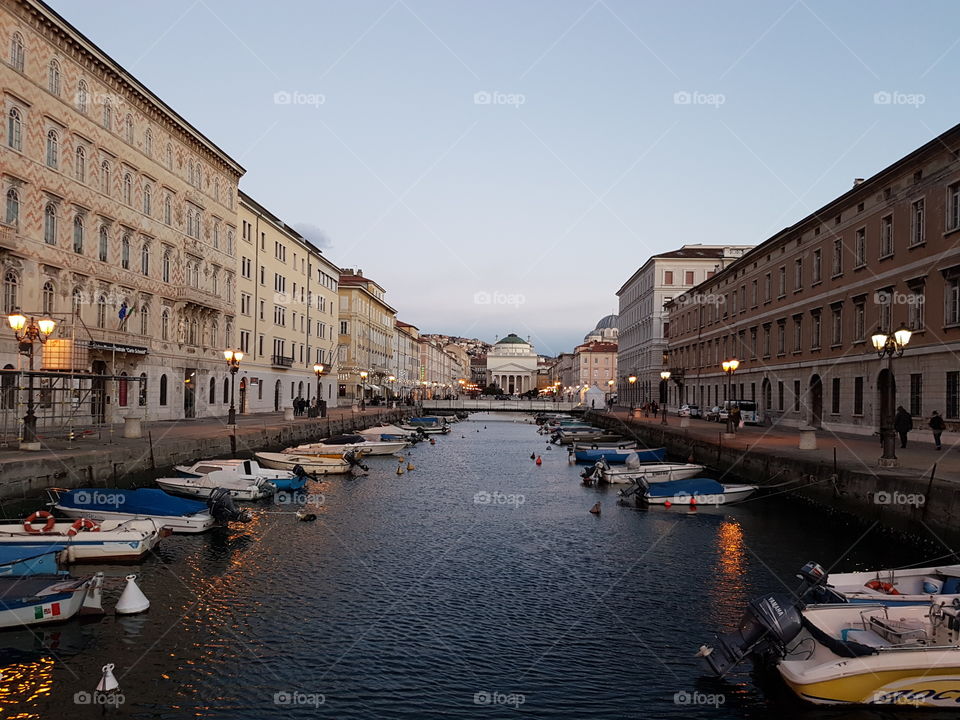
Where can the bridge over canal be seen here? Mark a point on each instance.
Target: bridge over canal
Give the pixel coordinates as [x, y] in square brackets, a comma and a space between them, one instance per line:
[499, 405]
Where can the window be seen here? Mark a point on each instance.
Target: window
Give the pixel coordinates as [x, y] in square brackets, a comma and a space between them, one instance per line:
[952, 302]
[53, 78]
[144, 320]
[798, 274]
[165, 326]
[147, 200]
[766, 341]
[230, 241]
[344, 327]
[166, 266]
[836, 326]
[858, 396]
[212, 398]
[148, 142]
[817, 265]
[48, 298]
[169, 156]
[163, 389]
[50, 224]
[82, 96]
[226, 391]
[80, 164]
[128, 126]
[15, 129]
[782, 282]
[780, 395]
[167, 209]
[13, 207]
[105, 177]
[53, 149]
[668, 277]
[860, 248]
[767, 287]
[886, 236]
[76, 302]
[816, 330]
[953, 395]
[104, 243]
[886, 308]
[78, 234]
[688, 277]
[125, 251]
[837, 257]
[127, 189]
[917, 228]
[859, 321]
[145, 258]
[796, 396]
[781, 337]
[797, 333]
[915, 308]
[16, 52]
[11, 291]
[916, 394]
[216, 234]
[953, 206]
[835, 396]
[122, 390]
[101, 312]
[107, 118]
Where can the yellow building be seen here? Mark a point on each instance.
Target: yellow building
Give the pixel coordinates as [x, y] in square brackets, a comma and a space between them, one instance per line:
[366, 337]
[286, 314]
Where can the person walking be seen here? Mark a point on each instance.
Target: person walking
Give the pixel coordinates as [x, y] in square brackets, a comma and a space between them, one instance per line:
[937, 425]
[903, 424]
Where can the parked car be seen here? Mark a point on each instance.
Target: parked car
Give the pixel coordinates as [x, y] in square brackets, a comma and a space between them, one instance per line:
[689, 411]
[717, 414]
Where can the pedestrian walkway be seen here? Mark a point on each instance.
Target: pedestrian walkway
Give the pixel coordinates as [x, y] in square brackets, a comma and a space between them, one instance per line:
[856, 452]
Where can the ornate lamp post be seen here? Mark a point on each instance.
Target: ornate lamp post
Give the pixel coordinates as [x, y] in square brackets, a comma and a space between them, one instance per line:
[730, 367]
[889, 345]
[318, 369]
[632, 379]
[28, 332]
[363, 389]
[664, 390]
[233, 358]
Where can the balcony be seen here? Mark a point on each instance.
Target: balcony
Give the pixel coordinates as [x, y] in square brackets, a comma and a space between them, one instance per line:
[281, 361]
[7, 236]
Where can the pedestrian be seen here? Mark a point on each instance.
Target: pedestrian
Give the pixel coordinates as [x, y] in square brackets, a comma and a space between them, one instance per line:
[903, 424]
[735, 417]
[937, 425]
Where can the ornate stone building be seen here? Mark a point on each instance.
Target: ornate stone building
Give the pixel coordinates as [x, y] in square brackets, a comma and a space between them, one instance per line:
[119, 222]
[512, 365]
[365, 336]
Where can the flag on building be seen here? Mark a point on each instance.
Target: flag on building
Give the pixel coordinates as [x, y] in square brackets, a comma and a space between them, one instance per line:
[124, 313]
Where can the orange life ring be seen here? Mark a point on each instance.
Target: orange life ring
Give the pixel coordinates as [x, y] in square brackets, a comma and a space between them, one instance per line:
[28, 523]
[83, 524]
[886, 587]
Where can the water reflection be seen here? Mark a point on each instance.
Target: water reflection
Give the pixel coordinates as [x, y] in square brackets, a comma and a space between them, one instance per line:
[23, 684]
[728, 590]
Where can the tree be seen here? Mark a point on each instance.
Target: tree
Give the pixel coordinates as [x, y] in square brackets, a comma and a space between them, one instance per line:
[492, 389]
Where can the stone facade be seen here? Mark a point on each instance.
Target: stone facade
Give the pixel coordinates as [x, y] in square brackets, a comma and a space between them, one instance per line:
[365, 336]
[512, 365]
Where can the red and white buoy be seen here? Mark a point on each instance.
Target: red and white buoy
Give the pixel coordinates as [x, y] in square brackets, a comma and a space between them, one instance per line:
[539, 460]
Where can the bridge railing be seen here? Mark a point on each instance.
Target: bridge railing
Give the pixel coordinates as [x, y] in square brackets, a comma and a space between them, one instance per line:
[507, 405]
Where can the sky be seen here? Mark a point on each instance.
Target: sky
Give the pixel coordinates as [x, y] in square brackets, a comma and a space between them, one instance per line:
[505, 165]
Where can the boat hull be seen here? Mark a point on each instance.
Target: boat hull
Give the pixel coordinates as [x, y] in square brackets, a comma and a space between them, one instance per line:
[619, 457]
[109, 543]
[197, 523]
[197, 488]
[730, 494]
[52, 607]
[311, 464]
[653, 475]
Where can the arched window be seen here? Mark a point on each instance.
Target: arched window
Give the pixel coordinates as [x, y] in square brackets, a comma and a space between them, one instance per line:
[13, 207]
[214, 333]
[148, 142]
[213, 391]
[216, 189]
[169, 154]
[80, 165]
[101, 311]
[145, 320]
[163, 389]
[194, 327]
[190, 171]
[50, 224]
[78, 234]
[125, 251]
[165, 326]
[53, 149]
[76, 302]
[145, 258]
[147, 200]
[15, 129]
[216, 234]
[48, 298]
[128, 189]
[11, 291]
[53, 78]
[122, 390]
[166, 266]
[128, 124]
[215, 283]
[82, 96]
[230, 242]
[16, 52]
[142, 394]
[104, 244]
[226, 391]
[105, 177]
[107, 113]
[167, 209]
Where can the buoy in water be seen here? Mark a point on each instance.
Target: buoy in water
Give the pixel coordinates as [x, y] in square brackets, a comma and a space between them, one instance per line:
[107, 682]
[132, 600]
[533, 456]
[693, 501]
[667, 503]
[595, 509]
[409, 466]
[305, 516]
[539, 460]
[433, 441]
[400, 469]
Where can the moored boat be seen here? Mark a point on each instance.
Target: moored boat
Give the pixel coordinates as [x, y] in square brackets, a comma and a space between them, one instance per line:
[47, 598]
[691, 491]
[615, 456]
[113, 540]
[282, 480]
[313, 464]
[240, 487]
[908, 586]
[346, 443]
[652, 472]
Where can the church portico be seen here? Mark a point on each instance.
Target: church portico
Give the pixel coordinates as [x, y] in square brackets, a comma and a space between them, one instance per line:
[512, 365]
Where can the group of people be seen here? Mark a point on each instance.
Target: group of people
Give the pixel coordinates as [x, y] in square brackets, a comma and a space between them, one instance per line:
[903, 423]
[308, 408]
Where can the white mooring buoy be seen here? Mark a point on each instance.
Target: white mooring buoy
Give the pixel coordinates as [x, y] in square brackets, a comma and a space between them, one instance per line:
[107, 682]
[132, 600]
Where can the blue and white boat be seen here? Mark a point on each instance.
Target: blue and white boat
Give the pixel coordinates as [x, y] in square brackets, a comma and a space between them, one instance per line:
[282, 480]
[693, 491]
[618, 456]
[111, 540]
[47, 598]
[20, 560]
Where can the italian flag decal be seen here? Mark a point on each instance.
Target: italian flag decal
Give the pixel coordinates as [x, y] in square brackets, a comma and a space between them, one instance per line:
[46, 611]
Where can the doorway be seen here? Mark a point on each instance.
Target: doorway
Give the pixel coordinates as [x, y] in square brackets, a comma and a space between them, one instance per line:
[766, 400]
[243, 396]
[276, 397]
[98, 393]
[815, 402]
[189, 393]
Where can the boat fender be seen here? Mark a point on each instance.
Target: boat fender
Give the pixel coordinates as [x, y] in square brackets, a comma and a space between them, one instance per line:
[886, 587]
[82, 524]
[28, 523]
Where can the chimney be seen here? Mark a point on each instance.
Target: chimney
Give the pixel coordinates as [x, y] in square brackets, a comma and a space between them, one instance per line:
[359, 272]
[857, 181]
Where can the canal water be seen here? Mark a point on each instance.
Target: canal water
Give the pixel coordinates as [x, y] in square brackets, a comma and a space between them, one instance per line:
[476, 585]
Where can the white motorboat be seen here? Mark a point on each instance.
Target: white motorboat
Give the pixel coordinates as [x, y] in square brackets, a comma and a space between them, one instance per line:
[692, 491]
[346, 443]
[241, 487]
[651, 472]
[48, 598]
[313, 464]
[108, 540]
[910, 586]
[391, 433]
[247, 468]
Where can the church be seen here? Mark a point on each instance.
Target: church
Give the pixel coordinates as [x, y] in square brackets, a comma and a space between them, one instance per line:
[512, 365]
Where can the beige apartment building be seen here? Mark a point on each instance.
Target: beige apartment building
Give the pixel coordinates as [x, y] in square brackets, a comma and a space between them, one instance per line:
[798, 311]
[365, 337]
[406, 359]
[596, 364]
[287, 314]
[118, 223]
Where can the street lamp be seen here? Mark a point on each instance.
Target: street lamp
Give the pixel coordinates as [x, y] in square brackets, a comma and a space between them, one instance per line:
[29, 331]
[632, 379]
[665, 388]
[892, 345]
[363, 389]
[318, 369]
[233, 358]
[730, 367]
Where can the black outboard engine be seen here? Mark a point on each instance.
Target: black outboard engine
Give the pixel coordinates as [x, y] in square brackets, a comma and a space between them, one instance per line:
[769, 623]
[299, 472]
[351, 457]
[223, 509]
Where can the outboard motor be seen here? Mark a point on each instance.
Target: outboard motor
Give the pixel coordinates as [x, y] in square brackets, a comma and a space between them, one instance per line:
[351, 457]
[223, 509]
[299, 472]
[769, 623]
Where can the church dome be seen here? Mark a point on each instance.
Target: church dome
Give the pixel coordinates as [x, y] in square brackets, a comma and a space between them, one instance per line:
[512, 338]
[610, 321]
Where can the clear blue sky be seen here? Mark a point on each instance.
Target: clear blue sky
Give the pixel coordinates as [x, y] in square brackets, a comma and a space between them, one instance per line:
[546, 202]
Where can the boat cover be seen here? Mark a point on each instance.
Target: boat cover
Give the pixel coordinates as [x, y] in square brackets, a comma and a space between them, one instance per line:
[691, 486]
[343, 440]
[143, 501]
[29, 559]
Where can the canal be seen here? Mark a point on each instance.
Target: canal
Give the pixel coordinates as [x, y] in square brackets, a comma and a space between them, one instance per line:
[475, 585]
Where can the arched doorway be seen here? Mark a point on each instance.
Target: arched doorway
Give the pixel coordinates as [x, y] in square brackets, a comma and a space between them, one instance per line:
[122, 389]
[766, 400]
[276, 397]
[815, 402]
[243, 395]
[8, 389]
[886, 399]
[190, 393]
[98, 389]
